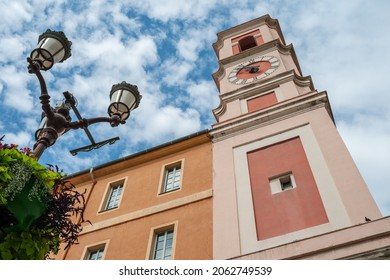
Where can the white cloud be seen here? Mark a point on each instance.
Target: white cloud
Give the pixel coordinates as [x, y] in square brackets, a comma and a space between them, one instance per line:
[173, 10]
[189, 46]
[174, 72]
[30, 124]
[14, 14]
[344, 55]
[22, 139]
[248, 10]
[11, 48]
[367, 136]
[157, 123]
[203, 96]
[113, 55]
[16, 93]
[170, 122]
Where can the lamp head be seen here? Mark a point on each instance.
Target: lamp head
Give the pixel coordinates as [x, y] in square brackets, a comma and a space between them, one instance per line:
[53, 47]
[124, 98]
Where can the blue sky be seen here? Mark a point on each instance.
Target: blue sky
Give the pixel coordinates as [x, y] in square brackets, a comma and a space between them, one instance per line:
[165, 48]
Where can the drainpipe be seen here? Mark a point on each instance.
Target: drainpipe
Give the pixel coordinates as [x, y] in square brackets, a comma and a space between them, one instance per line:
[92, 177]
[93, 181]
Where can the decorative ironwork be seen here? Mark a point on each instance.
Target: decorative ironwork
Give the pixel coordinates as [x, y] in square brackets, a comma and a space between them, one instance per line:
[54, 47]
[94, 146]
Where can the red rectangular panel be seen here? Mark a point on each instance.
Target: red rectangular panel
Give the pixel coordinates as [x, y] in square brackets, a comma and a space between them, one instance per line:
[261, 102]
[290, 210]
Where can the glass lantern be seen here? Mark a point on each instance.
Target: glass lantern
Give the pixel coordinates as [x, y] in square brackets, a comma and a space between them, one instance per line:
[53, 47]
[124, 98]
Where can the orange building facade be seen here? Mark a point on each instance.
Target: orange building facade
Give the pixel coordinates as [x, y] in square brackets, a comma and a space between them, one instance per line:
[151, 205]
[272, 178]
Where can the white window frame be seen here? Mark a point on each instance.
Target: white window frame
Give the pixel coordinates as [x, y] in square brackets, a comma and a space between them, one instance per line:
[114, 197]
[154, 232]
[166, 237]
[177, 168]
[92, 248]
[99, 252]
[173, 183]
[108, 195]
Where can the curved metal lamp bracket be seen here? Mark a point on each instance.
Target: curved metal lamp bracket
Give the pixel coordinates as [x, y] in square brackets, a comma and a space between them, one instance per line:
[84, 123]
[46, 139]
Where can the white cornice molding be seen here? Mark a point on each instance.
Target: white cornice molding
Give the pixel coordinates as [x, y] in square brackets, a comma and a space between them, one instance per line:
[246, 27]
[269, 115]
[172, 204]
[266, 85]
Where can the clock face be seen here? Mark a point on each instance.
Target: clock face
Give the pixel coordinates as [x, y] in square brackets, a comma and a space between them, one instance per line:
[253, 70]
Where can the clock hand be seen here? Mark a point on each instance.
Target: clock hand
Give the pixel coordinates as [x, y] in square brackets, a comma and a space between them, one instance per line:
[252, 69]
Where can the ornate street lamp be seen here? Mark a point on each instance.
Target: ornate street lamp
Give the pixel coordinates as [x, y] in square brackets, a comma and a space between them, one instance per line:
[53, 47]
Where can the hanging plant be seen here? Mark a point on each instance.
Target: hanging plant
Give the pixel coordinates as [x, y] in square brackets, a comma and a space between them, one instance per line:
[38, 208]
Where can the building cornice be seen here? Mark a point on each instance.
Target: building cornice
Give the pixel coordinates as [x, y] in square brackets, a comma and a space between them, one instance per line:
[266, 85]
[246, 27]
[334, 245]
[159, 151]
[269, 115]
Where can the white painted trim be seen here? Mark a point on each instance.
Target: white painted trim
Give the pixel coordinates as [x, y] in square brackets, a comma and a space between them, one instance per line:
[147, 211]
[276, 185]
[160, 190]
[91, 247]
[103, 202]
[158, 229]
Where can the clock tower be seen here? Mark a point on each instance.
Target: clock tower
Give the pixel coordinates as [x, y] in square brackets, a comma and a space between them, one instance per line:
[282, 174]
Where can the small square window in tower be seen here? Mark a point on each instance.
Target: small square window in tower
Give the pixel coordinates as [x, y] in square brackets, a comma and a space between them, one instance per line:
[281, 183]
[286, 183]
[172, 178]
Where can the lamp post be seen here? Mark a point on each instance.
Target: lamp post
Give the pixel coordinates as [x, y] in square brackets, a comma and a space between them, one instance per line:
[53, 47]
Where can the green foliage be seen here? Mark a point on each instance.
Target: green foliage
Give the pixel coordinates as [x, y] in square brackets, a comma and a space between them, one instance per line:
[55, 226]
[64, 206]
[28, 245]
[17, 167]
